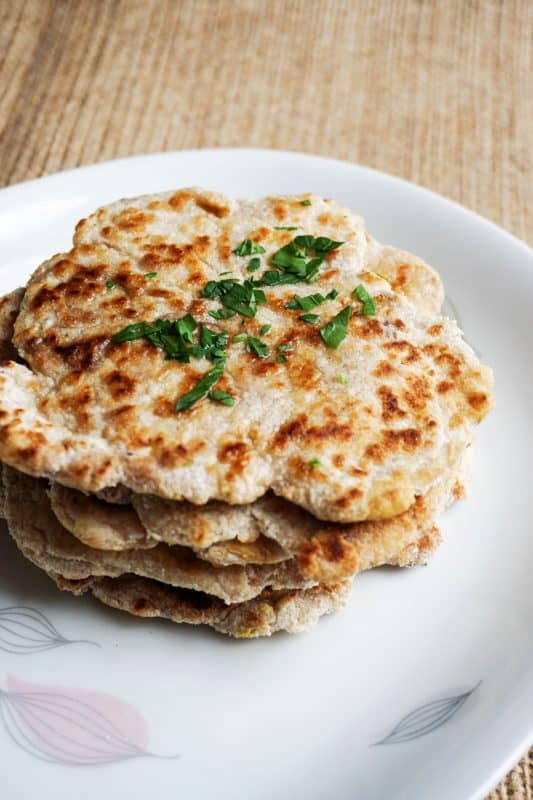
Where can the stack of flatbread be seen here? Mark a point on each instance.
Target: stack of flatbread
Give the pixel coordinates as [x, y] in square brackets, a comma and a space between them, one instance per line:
[220, 411]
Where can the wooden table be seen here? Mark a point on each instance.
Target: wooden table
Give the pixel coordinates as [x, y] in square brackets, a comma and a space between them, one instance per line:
[437, 92]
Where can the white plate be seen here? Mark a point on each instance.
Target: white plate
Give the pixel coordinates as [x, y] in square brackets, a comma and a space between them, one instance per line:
[296, 717]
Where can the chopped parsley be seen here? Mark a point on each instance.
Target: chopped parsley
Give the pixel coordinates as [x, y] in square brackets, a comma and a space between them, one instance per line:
[150, 274]
[369, 304]
[176, 339]
[285, 227]
[302, 258]
[285, 348]
[222, 313]
[248, 248]
[201, 389]
[275, 278]
[265, 329]
[110, 284]
[334, 331]
[254, 264]
[343, 379]
[309, 318]
[225, 398]
[242, 298]
[309, 301]
[241, 337]
[315, 462]
[281, 359]
[305, 202]
[257, 347]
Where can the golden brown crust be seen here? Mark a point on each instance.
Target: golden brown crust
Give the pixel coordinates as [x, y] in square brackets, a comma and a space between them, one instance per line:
[93, 413]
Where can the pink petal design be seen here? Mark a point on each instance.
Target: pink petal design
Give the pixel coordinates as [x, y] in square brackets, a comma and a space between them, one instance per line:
[72, 726]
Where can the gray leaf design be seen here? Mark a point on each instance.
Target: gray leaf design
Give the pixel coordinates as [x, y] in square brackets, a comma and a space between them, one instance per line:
[426, 718]
[25, 630]
[72, 727]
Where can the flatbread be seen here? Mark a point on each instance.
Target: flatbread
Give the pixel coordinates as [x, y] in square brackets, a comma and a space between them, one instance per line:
[326, 558]
[268, 531]
[94, 414]
[270, 612]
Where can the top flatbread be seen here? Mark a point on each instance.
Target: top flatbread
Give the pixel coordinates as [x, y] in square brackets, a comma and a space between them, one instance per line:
[92, 414]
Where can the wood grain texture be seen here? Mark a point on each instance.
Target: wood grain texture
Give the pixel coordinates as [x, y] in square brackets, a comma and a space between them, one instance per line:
[437, 92]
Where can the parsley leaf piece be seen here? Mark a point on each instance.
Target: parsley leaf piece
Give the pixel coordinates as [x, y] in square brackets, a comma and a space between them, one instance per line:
[307, 302]
[334, 331]
[185, 328]
[150, 274]
[323, 244]
[225, 398]
[309, 318]
[260, 296]
[305, 202]
[369, 304]
[241, 337]
[332, 294]
[285, 227]
[284, 348]
[247, 248]
[241, 298]
[201, 389]
[254, 264]
[222, 313]
[110, 284]
[315, 462]
[290, 259]
[226, 272]
[138, 330]
[265, 329]
[257, 346]
[274, 278]
[281, 359]
[343, 379]
[212, 344]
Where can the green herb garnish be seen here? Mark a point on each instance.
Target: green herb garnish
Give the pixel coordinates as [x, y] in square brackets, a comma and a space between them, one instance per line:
[274, 278]
[334, 331]
[309, 301]
[265, 329]
[254, 264]
[110, 284]
[309, 318]
[284, 348]
[241, 337]
[304, 256]
[222, 313]
[201, 389]
[150, 274]
[225, 398]
[257, 346]
[305, 202]
[241, 298]
[285, 227]
[247, 248]
[343, 379]
[138, 330]
[176, 339]
[315, 462]
[369, 304]
[281, 359]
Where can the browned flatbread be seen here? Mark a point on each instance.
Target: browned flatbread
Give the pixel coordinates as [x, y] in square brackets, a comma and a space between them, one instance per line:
[270, 612]
[326, 558]
[93, 413]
